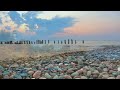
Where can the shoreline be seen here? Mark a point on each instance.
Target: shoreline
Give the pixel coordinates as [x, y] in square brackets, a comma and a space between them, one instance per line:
[72, 65]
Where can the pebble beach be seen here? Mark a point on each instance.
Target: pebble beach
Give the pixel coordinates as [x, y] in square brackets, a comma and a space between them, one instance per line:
[102, 63]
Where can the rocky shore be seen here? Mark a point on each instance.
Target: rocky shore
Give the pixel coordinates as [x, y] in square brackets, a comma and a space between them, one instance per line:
[96, 64]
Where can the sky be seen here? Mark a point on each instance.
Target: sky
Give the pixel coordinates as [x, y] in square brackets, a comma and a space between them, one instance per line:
[80, 25]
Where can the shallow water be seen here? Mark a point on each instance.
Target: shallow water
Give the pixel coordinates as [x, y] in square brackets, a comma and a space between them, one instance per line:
[8, 51]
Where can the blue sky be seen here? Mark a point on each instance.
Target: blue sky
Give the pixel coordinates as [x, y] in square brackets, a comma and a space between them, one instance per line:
[87, 25]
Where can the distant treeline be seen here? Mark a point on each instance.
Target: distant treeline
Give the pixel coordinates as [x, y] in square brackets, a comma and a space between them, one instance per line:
[69, 41]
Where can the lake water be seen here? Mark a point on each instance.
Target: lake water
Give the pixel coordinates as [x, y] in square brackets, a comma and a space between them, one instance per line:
[88, 45]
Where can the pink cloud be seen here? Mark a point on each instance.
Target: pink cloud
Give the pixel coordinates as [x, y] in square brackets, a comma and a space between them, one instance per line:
[92, 26]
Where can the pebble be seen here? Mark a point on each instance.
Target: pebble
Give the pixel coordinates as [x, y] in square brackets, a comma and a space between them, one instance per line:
[115, 74]
[105, 69]
[56, 77]
[47, 76]
[74, 74]
[67, 77]
[111, 78]
[42, 78]
[80, 62]
[118, 77]
[105, 76]
[37, 74]
[95, 72]
[119, 69]
[89, 73]
[80, 71]
[31, 72]
[83, 77]
[14, 66]
[6, 77]
[69, 71]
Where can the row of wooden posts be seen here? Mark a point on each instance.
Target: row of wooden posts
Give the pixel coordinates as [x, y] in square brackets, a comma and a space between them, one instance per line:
[41, 42]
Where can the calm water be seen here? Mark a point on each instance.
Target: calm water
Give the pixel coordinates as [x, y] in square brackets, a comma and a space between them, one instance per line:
[88, 45]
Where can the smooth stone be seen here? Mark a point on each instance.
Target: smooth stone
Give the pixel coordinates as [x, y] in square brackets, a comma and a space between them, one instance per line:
[50, 65]
[28, 69]
[37, 74]
[74, 74]
[89, 73]
[6, 77]
[95, 72]
[52, 74]
[6, 73]
[105, 69]
[80, 62]
[56, 77]
[1, 68]
[95, 76]
[80, 71]
[118, 77]
[105, 76]
[71, 58]
[47, 76]
[27, 64]
[115, 74]
[60, 64]
[61, 77]
[83, 77]
[27, 78]
[111, 71]
[84, 71]
[77, 77]
[119, 69]
[31, 72]
[69, 71]
[23, 74]
[86, 67]
[67, 77]
[17, 76]
[32, 78]
[111, 78]
[42, 78]
[14, 65]
[0, 72]
[57, 68]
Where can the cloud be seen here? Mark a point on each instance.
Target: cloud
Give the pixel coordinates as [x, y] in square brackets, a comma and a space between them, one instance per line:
[59, 24]
[92, 25]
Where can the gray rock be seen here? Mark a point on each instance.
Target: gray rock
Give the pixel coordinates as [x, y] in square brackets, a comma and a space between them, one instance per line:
[118, 77]
[47, 76]
[56, 77]
[67, 77]
[105, 69]
[42, 78]
[80, 62]
[105, 76]
[1, 68]
[30, 72]
[23, 74]
[14, 65]
[95, 72]
[115, 74]
[83, 77]
[6, 77]
[74, 74]
[111, 78]
[89, 73]
[16, 76]
[70, 71]
[80, 71]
